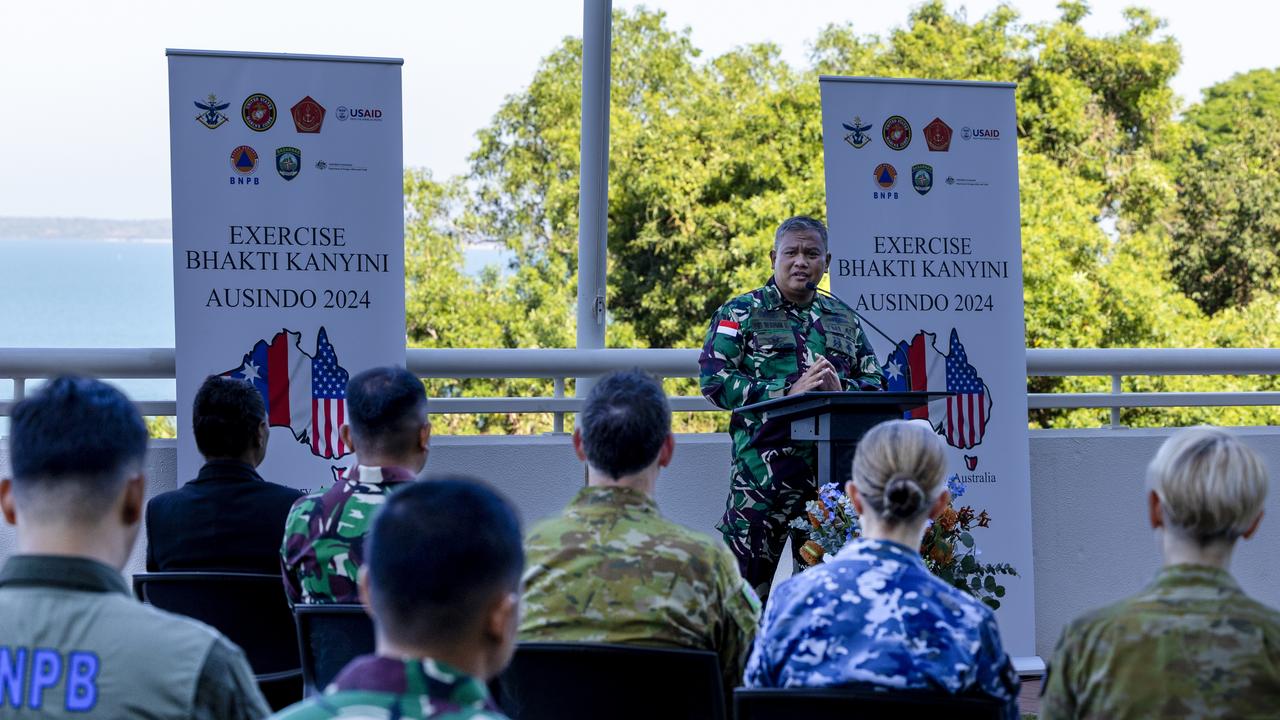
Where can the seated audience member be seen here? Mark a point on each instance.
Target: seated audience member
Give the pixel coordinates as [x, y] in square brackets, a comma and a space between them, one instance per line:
[610, 568]
[73, 641]
[387, 427]
[442, 583]
[228, 518]
[1191, 644]
[873, 614]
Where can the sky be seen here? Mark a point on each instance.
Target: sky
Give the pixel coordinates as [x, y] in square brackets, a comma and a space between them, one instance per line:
[84, 127]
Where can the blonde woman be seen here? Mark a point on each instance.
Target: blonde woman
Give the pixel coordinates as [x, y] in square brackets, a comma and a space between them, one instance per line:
[874, 614]
[1191, 644]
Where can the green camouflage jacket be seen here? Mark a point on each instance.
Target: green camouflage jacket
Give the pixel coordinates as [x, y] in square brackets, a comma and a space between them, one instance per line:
[1191, 645]
[759, 343]
[374, 687]
[324, 535]
[611, 569]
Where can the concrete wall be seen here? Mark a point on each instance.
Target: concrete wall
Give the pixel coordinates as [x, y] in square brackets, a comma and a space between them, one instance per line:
[1090, 540]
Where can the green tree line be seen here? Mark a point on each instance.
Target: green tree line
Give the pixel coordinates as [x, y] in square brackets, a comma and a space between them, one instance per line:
[1144, 223]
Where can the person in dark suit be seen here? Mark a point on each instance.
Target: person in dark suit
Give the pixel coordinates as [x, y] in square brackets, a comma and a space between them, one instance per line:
[228, 518]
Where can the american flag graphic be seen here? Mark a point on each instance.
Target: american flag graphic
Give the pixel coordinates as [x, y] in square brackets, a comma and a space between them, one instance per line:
[304, 393]
[328, 399]
[917, 365]
[966, 411]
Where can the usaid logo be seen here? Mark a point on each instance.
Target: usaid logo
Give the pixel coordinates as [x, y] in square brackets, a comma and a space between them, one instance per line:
[969, 133]
[359, 113]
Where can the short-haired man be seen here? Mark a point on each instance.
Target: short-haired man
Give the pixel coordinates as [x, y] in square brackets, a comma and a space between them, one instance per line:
[73, 641]
[781, 339]
[228, 518]
[1192, 643]
[442, 583]
[388, 429]
[610, 568]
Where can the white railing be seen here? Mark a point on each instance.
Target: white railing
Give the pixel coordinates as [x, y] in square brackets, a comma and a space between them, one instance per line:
[22, 364]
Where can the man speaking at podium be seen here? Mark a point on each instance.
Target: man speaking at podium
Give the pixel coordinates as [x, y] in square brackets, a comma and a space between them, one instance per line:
[781, 339]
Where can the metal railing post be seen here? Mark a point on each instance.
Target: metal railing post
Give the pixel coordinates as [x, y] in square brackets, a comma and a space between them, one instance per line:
[19, 388]
[1117, 388]
[593, 178]
[557, 418]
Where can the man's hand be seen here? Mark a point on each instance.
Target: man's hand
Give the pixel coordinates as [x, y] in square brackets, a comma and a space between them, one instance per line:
[820, 376]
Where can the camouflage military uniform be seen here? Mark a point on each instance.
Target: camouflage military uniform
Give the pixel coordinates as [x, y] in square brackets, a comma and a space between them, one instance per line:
[611, 569]
[757, 346]
[874, 614]
[324, 535]
[373, 687]
[1191, 644]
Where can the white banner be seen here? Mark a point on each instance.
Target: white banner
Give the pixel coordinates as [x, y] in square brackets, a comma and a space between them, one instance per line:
[288, 240]
[922, 202]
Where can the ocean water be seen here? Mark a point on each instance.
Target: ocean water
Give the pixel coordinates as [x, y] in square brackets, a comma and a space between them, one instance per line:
[105, 294]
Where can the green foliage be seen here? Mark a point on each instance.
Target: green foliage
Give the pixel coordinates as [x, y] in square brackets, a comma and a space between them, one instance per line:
[1228, 221]
[1255, 93]
[1138, 229]
[160, 427]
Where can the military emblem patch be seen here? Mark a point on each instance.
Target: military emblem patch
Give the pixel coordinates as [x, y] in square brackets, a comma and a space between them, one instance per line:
[896, 132]
[308, 115]
[937, 135]
[857, 136]
[244, 160]
[288, 162]
[212, 117]
[259, 112]
[886, 175]
[922, 178]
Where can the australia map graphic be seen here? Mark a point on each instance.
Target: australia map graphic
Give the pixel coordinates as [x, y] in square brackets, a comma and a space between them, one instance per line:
[304, 393]
[917, 364]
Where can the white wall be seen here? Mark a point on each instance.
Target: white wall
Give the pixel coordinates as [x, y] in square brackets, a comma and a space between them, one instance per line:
[1090, 540]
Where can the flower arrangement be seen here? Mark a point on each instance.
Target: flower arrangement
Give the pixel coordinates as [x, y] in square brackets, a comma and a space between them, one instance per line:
[948, 547]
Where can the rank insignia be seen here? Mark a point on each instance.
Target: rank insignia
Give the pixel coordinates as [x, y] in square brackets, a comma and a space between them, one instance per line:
[922, 178]
[212, 117]
[259, 112]
[288, 162]
[244, 160]
[857, 136]
[896, 132]
[886, 175]
[308, 115]
[937, 135]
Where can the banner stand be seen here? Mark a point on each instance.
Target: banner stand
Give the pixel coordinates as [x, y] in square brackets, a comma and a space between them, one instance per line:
[922, 204]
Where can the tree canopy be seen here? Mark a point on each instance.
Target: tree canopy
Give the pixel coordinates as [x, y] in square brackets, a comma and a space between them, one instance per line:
[1139, 228]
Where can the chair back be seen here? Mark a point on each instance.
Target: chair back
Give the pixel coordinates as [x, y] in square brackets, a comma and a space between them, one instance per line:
[863, 702]
[563, 681]
[329, 637]
[250, 609]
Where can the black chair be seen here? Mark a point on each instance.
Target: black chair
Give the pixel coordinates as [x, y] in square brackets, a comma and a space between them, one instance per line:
[565, 681]
[863, 702]
[329, 637]
[249, 608]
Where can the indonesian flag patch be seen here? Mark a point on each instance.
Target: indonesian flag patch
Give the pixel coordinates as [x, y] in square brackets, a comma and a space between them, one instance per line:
[728, 327]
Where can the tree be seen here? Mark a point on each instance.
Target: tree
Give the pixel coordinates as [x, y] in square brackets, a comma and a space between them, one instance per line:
[1228, 222]
[708, 154]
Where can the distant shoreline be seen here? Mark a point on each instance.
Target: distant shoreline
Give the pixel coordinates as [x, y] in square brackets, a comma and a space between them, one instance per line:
[44, 228]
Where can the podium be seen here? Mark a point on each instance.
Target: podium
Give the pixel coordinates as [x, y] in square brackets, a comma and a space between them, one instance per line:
[836, 421]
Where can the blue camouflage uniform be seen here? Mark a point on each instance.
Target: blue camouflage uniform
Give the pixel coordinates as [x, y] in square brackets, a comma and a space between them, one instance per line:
[874, 614]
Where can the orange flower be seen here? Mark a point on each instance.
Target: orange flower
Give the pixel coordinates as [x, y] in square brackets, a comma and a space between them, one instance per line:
[811, 552]
[948, 519]
[984, 520]
[941, 553]
[822, 515]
